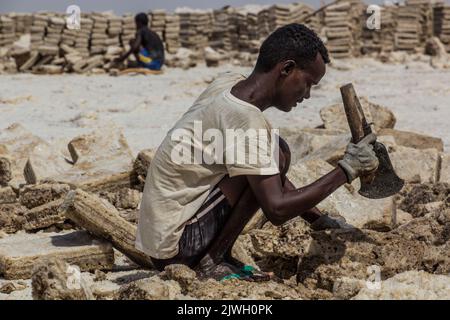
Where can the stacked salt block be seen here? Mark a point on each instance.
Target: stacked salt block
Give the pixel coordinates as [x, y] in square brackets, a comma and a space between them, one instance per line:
[263, 22]
[38, 30]
[301, 13]
[233, 29]
[172, 33]
[426, 17]
[442, 24]
[158, 22]
[196, 28]
[408, 30]
[83, 36]
[7, 33]
[253, 34]
[241, 20]
[224, 34]
[22, 23]
[128, 29]
[219, 37]
[54, 31]
[342, 28]
[381, 40]
[99, 34]
[69, 37]
[114, 30]
[279, 15]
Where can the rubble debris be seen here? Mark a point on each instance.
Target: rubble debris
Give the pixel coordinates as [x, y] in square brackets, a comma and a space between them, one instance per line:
[9, 287]
[19, 252]
[54, 279]
[357, 210]
[5, 169]
[12, 217]
[320, 258]
[409, 285]
[32, 196]
[150, 289]
[7, 195]
[103, 220]
[420, 199]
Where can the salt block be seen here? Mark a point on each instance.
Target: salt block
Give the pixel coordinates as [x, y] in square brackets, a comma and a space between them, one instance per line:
[331, 152]
[413, 140]
[444, 175]
[44, 216]
[101, 159]
[32, 196]
[20, 252]
[97, 146]
[43, 162]
[333, 117]
[17, 144]
[357, 210]
[304, 141]
[415, 165]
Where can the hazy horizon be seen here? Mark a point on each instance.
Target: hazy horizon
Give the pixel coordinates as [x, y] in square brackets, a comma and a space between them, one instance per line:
[120, 6]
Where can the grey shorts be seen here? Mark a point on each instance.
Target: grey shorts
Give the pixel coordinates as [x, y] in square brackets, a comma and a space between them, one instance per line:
[200, 231]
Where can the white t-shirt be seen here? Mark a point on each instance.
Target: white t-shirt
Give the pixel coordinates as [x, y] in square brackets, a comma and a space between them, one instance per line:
[180, 177]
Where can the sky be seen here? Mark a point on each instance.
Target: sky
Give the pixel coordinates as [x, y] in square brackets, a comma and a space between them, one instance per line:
[123, 6]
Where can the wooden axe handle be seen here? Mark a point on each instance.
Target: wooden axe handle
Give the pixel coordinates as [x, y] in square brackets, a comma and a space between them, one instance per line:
[356, 121]
[355, 114]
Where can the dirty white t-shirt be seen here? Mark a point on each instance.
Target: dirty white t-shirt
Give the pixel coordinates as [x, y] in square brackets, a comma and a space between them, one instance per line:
[178, 181]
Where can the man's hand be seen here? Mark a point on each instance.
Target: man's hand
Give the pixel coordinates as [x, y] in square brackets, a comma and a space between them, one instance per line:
[359, 158]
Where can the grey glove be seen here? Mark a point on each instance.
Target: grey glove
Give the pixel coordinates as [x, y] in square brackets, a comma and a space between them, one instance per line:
[359, 158]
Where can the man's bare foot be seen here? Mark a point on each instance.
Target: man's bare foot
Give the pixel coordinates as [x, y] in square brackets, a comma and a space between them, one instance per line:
[208, 268]
[228, 268]
[251, 273]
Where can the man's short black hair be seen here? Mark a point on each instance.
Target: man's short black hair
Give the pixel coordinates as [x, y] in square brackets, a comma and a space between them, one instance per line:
[290, 42]
[141, 19]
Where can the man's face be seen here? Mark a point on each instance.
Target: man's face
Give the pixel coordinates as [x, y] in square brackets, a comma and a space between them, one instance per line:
[294, 84]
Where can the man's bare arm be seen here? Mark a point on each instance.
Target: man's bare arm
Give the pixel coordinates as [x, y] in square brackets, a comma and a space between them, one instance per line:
[281, 204]
[134, 48]
[310, 215]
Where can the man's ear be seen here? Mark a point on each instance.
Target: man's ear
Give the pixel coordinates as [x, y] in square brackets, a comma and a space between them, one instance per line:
[287, 67]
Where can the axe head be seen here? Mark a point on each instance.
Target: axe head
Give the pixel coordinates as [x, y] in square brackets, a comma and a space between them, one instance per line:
[385, 182]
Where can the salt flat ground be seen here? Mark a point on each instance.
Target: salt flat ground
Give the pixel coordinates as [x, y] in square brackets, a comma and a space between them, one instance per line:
[60, 107]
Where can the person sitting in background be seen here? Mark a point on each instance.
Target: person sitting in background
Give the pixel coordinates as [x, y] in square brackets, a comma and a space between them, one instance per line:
[147, 47]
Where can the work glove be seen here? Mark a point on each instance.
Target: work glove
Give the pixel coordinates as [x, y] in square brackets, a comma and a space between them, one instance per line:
[359, 159]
